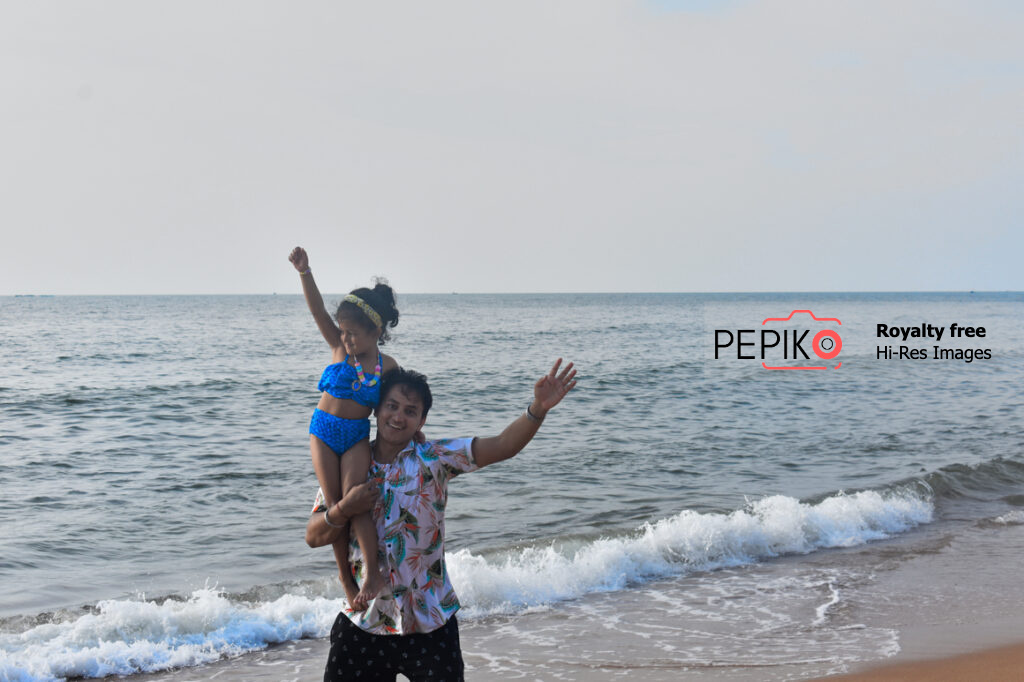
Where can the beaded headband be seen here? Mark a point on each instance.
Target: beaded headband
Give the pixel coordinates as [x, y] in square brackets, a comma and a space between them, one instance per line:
[365, 307]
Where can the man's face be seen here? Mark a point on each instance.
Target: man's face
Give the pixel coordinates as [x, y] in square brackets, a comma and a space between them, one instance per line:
[400, 415]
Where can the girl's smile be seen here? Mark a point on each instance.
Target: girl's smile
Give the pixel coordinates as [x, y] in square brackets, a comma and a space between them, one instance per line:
[356, 338]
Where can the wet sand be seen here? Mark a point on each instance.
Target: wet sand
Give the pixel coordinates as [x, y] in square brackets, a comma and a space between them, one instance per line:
[303, 662]
[1005, 664]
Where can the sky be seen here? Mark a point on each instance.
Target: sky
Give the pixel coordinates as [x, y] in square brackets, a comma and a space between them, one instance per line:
[580, 145]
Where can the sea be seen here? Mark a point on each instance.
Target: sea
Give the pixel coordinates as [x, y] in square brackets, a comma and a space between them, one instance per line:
[687, 512]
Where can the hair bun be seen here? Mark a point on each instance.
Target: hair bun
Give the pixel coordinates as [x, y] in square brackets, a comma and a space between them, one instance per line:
[382, 299]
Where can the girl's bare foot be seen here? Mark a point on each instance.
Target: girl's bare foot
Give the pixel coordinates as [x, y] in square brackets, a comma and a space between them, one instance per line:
[372, 586]
[351, 592]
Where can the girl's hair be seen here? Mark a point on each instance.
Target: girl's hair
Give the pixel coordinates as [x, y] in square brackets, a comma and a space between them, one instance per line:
[381, 298]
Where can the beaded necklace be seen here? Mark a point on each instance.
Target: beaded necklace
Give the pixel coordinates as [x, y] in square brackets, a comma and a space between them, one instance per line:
[361, 381]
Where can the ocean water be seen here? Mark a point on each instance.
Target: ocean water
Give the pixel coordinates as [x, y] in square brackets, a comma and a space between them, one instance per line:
[678, 514]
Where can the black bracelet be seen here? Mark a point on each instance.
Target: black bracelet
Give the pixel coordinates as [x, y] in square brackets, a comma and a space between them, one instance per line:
[532, 417]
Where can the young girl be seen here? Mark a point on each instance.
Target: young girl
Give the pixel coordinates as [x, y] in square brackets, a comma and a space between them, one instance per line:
[340, 428]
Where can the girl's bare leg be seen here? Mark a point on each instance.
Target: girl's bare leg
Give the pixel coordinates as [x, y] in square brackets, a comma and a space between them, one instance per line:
[355, 465]
[327, 465]
[344, 572]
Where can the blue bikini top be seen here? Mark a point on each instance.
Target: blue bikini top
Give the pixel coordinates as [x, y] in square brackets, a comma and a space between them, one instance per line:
[342, 381]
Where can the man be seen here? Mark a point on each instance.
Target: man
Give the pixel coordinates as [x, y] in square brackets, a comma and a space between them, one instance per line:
[410, 627]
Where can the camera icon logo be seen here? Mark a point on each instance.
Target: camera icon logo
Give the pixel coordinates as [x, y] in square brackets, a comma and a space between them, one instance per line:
[826, 343]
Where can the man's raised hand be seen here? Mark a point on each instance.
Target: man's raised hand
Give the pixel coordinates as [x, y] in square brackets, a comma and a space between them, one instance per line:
[553, 386]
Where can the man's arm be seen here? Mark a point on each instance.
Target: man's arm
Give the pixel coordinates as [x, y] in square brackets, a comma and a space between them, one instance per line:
[320, 531]
[547, 392]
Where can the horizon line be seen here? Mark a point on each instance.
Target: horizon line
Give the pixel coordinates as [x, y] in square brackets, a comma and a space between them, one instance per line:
[555, 293]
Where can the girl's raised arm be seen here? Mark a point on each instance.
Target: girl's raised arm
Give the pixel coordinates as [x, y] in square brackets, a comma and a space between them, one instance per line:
[314, 300]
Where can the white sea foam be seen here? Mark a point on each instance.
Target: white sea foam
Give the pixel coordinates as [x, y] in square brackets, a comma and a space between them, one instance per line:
[1012, 518]
[689, 541]
[131, 636]
[126, 637]
[821, 613]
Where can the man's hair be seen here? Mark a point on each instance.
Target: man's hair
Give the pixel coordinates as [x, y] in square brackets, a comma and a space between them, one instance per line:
[408, 380]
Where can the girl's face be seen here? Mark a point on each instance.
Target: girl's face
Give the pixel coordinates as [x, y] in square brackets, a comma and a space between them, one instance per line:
[356, 338]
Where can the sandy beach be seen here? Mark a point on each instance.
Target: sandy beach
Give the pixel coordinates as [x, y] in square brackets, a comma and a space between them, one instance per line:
[1004, 664]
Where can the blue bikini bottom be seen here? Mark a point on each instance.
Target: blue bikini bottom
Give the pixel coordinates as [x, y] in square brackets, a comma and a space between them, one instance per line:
[339, 434]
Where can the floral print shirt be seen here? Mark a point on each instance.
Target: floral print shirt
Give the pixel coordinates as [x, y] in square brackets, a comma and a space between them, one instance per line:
[409, 514]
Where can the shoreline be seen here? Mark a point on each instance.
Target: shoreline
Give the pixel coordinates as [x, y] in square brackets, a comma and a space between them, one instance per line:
[938, 600]
[1000, 664]
[303, 660]
[946, 600]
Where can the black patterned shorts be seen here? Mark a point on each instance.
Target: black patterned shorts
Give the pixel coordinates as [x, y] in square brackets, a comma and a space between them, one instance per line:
[357, 655]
